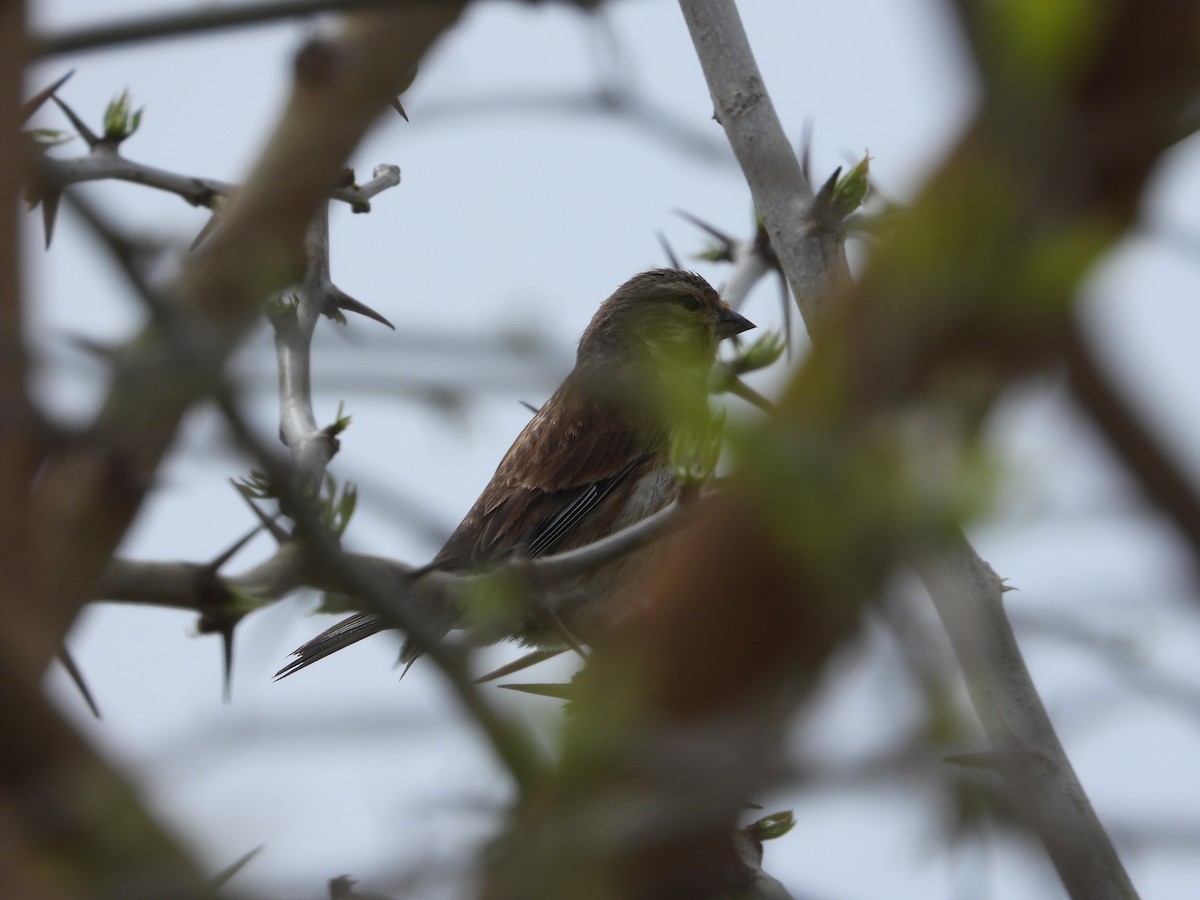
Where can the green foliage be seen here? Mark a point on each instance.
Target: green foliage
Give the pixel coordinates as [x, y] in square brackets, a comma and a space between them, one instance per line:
[495, 604]
[120, 119]
[851, 189]
[255, 486]
[45, 138]
[1047, 41]
[338, 505]
[713, 252]
[762, 353]
[333, 505]
[776, 825]
[695, 450]
[341, 421]
[240, 601]
[750, 358]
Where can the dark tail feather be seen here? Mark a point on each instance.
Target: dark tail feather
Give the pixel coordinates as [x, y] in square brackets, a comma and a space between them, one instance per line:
[343, 634]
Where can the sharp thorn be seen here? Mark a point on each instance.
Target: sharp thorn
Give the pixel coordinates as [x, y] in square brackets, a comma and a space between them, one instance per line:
[64, 656]
[555, 691]
[269, 522]
[671, 257]
[204, 232]
[822, 203]
[349, 304]
[80, 126]
[517, 665]
[222, 878]
[227, 654]
[713, 231]
[34, 103]
[50, 213]
[218, 562]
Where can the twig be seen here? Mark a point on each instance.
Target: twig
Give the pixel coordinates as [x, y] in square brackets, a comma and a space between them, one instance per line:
[106, 164]
[311, 446]
[186, 585]
[967, 595]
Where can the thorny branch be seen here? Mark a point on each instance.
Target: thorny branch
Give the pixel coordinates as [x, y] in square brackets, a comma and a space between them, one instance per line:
[311, 446]
[105, 163]
[193, 586]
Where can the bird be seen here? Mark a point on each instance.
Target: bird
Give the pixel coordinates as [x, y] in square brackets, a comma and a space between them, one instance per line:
[594, 458]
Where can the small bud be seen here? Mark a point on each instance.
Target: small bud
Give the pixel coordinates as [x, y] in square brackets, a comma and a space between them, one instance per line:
[340, 423]
[120, 122]
[256, 486]
[776, 825]
[851, 189]
[762, 353]
[715, 253]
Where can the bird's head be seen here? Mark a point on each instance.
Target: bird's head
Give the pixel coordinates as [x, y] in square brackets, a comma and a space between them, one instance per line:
[664, 319]
[650, 346]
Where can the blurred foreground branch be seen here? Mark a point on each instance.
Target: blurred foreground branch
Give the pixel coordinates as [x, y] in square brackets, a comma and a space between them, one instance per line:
[871, 463]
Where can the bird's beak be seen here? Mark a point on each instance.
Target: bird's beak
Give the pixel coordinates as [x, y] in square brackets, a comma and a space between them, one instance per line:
[731, 322]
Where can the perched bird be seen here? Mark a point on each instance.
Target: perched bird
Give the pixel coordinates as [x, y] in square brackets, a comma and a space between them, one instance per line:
[594, 459]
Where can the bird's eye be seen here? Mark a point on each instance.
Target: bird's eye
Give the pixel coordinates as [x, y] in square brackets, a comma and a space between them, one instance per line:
[690, 303]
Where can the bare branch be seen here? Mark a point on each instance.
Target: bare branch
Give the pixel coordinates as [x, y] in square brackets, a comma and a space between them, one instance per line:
[311, 446]
[811, 251]
[967, 594]
[105, 163]
[195, 586]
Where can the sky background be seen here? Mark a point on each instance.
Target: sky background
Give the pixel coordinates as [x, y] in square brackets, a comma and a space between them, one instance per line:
[523, 204]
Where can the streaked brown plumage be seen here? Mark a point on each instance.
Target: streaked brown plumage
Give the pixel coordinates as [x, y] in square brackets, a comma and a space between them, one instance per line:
[596, 456]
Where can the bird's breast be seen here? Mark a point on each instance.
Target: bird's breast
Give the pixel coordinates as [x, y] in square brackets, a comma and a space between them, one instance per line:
[652, 493]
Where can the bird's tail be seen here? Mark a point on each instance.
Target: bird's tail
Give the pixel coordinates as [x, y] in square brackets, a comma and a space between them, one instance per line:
[343, 634]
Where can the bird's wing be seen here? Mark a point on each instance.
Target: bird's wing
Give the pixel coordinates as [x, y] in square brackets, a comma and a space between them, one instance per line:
[563, 483]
